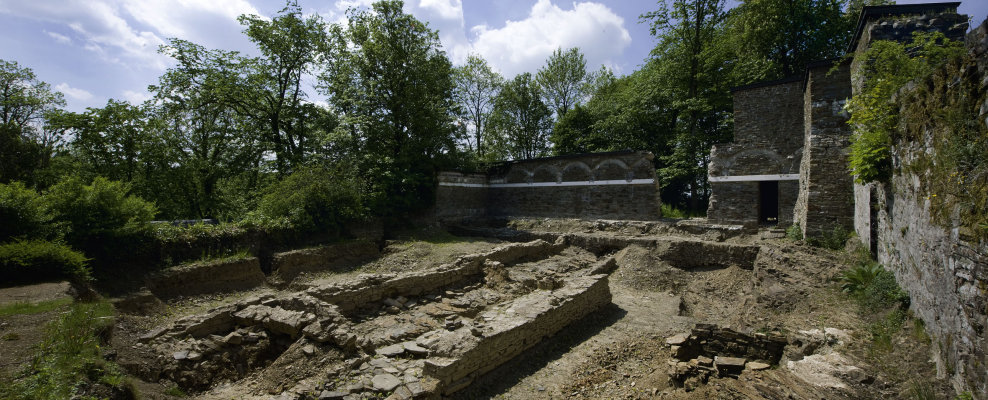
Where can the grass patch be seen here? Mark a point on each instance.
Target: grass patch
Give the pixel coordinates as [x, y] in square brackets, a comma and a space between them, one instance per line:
[175, 391]
[671, 211]
[69, 363]
[19, 308]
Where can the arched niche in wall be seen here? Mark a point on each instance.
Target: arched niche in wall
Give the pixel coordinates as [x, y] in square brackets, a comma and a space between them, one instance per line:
[642, 169]
[546, 173]
[518, 175]
[611, 169]
[576, 171]
[755, 162]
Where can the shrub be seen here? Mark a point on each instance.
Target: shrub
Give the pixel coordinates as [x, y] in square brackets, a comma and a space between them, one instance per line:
[856, 279]
[311, 199]
[24, 215]
[794, 232]
[38, 260]
[101, 208]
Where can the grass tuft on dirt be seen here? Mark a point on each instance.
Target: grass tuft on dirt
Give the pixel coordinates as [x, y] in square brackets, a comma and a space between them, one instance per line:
[69, 361]
[19, 308]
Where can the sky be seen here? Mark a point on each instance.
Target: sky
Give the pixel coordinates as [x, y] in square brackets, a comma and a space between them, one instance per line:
[95, 50]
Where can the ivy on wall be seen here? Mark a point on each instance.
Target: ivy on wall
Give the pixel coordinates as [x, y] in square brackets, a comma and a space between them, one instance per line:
[924, 98]
[887, 67]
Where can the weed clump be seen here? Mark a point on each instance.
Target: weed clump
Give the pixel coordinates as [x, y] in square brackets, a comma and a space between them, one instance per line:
[69, 363]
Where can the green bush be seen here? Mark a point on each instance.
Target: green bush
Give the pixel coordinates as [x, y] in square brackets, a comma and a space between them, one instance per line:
[38, 260]
[103, 208]
[312, 199]
[24, 214]
[794, 232]
[858, 278]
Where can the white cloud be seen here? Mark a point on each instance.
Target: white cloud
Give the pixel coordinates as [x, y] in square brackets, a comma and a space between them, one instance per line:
[135, 97]
[130, 32]
[183, 18]
[73, 93]
[524, 46]
[60, 38]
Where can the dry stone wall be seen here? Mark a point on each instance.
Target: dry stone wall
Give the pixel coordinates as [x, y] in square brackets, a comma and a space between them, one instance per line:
[943, 267]
[333, 257]
[207, 277]
[826, 199]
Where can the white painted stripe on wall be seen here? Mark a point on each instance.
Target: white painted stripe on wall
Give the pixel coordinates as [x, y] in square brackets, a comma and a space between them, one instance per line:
[553, 184]
[755, 178]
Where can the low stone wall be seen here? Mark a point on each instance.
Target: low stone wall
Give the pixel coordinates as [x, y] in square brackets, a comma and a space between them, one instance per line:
[207, 277]
[334, 257]
[506, 334]
[349, 296]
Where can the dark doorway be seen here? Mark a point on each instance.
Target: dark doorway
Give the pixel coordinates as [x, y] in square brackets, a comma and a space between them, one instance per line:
[768, 202]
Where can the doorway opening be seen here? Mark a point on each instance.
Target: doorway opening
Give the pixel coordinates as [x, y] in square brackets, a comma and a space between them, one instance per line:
[768, 202]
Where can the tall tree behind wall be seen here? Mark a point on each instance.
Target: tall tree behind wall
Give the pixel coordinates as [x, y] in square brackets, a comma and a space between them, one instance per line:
[777, 38]
[393, 87]
[30, 117]
[476, 87]
[563, 80]
[691, 57]
[521, 120]
[273, 95]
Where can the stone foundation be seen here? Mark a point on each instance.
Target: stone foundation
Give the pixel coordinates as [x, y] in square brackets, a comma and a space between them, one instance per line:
[207, 277]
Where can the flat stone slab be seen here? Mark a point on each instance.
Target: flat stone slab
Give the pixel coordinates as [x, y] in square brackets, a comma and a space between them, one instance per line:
[391, 351]
[385, 382]
[415, 349]
[729, 365]
[757, 366]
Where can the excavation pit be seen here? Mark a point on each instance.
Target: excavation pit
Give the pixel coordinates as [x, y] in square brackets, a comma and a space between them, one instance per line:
[418, 333]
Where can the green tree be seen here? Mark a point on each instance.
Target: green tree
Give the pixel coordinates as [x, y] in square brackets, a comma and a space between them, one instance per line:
[393, 87]
[777, 38]
[111, 139]
[521, 119]
[476, 86]
[272, 94]
[691, 57]
[205, 140]
[25, 102]
[563, 79]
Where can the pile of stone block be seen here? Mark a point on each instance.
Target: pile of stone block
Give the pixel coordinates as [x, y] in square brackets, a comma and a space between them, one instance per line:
[710, 351]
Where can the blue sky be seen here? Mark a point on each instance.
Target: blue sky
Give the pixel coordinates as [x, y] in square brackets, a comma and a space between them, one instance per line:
[94, 50]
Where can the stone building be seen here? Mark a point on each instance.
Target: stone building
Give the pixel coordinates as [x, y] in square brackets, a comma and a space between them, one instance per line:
[788, 162]
[755, 179]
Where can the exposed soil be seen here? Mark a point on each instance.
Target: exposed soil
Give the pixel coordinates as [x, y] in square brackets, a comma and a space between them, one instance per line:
[20, 333]
[617, 352]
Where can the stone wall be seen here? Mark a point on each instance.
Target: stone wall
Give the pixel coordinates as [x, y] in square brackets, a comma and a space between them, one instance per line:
[617, 185]
[207, 277]
[768, 129]
[334, 257]
[508, 333]
[826, 197]
[941, 265]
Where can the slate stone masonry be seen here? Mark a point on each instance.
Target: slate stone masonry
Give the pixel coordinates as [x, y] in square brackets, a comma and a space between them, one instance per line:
[616, 185]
